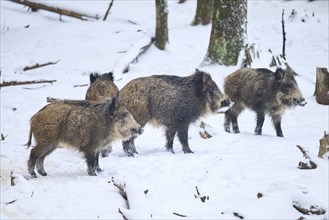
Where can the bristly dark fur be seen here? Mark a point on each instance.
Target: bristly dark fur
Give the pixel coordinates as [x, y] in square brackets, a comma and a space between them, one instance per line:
[105, 76]
[262, 91]
[173, 102]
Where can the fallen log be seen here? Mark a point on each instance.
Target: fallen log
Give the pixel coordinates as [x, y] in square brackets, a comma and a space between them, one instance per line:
[39, 65]
[322, 86]
[36, 6]
[324, 146]
[17, 83]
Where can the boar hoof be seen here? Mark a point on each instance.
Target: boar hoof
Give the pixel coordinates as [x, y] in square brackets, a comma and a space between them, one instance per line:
[170, 149]
[92, 173]
[98, 169]
[227, 129]
[42, 172]
[34, 175]
[187, 151]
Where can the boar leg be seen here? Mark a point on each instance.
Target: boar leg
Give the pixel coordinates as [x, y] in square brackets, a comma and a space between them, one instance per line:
[97, 167]
[37, 155]
[170, 135]
[91, 162]
[260, 122]
[42, 154]
[276, 119]
[183, 138]
[129, 147]
[231, 116]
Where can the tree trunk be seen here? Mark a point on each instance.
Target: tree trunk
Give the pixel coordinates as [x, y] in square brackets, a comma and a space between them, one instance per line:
[161, 30]
[229, 28]
[322, 86]
[203, 13]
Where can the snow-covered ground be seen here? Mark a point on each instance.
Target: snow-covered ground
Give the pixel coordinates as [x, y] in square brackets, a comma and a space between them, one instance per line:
[228, 169]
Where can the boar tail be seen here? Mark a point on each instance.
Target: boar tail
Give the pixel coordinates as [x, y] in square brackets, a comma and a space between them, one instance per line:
[28, 144]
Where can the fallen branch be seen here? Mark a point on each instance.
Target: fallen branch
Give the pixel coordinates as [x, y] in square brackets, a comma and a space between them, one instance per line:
[123, 215]
[39, 65]
[180, 215]
[35, 6]
[11, 202]
[17, 83]
[204, 133]
[3, 137]
[12, 179]
[238, 215]
[122, 190]
[82, 85]
[311, 210]
[108, 10]
[198, 195]
[133, 54]
[306, 165]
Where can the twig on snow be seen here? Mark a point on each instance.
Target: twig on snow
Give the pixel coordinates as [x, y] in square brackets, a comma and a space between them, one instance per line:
[39, 65]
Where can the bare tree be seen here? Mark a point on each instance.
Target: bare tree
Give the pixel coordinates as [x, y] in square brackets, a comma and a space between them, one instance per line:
[203, 13]
[229, 28]
[161, 30]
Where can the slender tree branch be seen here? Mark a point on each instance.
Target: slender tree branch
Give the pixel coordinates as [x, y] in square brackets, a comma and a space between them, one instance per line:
[39, 65]
[108, 10]
[16, 83]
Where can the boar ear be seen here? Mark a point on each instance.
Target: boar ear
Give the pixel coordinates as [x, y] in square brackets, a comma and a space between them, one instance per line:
[93, 77]
[198, 80]
[278, 74]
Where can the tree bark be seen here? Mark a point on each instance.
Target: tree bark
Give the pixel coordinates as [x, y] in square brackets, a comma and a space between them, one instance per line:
[229, 28]
[161, 30]
[322, 86]
[203, 13]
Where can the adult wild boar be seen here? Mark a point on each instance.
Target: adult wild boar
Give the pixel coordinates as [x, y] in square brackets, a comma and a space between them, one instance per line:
[101, 88]
[264, 92]
[173, 102]
[85, 126]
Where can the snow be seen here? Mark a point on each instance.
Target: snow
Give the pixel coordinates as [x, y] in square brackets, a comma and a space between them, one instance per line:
[230, 169]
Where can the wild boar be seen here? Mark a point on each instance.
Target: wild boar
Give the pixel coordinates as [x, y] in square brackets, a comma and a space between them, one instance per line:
[85, 126]
[101, 88]
[173, 102]
[264, 92]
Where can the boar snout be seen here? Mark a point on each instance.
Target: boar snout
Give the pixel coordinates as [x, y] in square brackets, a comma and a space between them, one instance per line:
[301, 101]
[225, 103]
[137, 131]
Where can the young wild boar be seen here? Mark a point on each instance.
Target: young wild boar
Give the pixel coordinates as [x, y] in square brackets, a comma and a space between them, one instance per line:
[173, 102]
[101, 88]
[85, 126]
[262, 91]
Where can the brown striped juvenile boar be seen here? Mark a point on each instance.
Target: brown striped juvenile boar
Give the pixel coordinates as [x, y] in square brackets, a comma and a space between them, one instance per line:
[85, 126]
[101, 88]
[172, 102]
[264, 92]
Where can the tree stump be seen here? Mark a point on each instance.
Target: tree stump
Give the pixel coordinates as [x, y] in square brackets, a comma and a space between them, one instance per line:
[322, 86]
[324, 145]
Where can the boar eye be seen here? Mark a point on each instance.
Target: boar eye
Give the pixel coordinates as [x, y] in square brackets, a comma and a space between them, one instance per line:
[123, 114]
